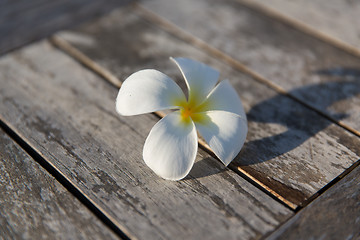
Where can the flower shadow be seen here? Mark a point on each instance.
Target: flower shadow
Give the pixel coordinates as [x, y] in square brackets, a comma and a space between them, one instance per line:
[205, 167]
[280, 112]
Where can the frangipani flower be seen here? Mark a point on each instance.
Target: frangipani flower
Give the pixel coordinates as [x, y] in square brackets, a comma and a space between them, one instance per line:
[215, 112]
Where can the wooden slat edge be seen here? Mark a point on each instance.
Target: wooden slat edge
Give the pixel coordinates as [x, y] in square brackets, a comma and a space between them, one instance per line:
[90, 64]
[330, 229]
[301, 26]
[86, 61]
[272, 192]
[329, 185]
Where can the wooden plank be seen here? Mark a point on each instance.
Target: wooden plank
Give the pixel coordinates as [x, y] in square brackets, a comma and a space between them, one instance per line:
[338, 19]
[334, 215]
[72, 123]
[289, 149]
[33, 205]
[24, 21]
[315, 72]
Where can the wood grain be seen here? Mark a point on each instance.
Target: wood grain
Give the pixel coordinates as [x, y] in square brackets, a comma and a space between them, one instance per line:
[22, 22]
[338, 19]
[67, 114]
[33, 205]
[334, 215]
[290, 149]
[315, 72]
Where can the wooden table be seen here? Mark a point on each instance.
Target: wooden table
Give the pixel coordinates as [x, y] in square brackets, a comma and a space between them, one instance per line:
[71, 168]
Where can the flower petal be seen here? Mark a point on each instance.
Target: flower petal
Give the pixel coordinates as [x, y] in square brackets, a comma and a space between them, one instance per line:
[225, 133]
[148, 91]
[224, 98]
[170, 149]
[200, 78]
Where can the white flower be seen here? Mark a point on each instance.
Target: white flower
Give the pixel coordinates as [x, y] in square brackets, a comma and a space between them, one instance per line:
[217, 114]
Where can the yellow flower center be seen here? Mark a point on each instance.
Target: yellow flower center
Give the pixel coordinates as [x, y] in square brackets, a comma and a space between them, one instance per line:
[186, 112]
[190, 111]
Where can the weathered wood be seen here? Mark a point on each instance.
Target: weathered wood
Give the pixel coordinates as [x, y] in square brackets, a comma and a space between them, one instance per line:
[24, 21]
[33, 205]
[289, 148]
[334, 215]
[313, 71]
[338, 19]
[68, 114]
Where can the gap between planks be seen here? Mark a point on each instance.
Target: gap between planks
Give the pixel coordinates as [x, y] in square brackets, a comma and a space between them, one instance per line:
[197, 42]
[316, 195]
[296, 24]
[108, 76]
[110, 222]
[329, 185]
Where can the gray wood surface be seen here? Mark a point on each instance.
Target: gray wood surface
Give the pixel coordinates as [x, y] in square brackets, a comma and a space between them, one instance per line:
[319, 74]
[67, 113]
[334, 215]
[289, 148]
[339, 19]
[33, 205]
[24, 21]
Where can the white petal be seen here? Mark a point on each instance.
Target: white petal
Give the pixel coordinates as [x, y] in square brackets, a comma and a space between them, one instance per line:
[200, 78]
[224, 98]
[148, 91]
[170, 149]
[225, 133]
